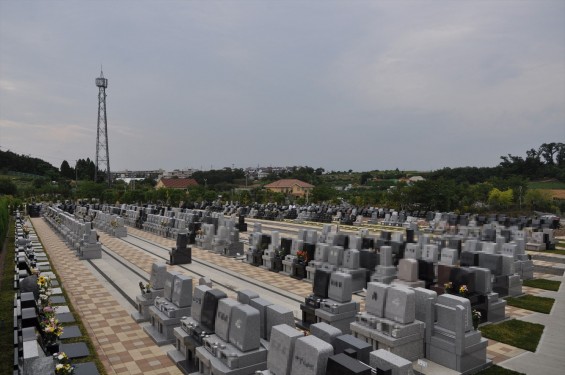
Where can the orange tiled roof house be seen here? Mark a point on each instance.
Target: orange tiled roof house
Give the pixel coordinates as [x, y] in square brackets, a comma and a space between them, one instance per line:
[290, 186]
[176, 183]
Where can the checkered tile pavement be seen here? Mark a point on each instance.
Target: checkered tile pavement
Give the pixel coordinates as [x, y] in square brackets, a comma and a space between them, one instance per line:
[498, 352]
[122, 346]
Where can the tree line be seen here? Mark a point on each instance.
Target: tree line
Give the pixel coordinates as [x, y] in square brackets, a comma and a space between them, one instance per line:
[466, 189]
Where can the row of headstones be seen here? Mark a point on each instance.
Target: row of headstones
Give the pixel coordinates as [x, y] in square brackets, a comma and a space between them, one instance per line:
[398, 218]
[220, 235]
[540, 238]
[484, 232]
[167, 222]
[420, 267]
[450, 220]
[112, 224]
[216, 232]
[536, 239]
[79, 235]
[507, 242]
[408, 273]
[327, 249]
[412, 323]
[352, 260]
[31, 354]
[221, 335]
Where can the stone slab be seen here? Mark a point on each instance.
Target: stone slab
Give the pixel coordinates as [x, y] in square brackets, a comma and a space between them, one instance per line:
[75, 350]
[58, 300]
[66, 318]
[86, 368]
[71, 332]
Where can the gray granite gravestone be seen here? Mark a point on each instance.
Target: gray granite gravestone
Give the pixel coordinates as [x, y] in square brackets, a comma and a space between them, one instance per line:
[384, 360]
[261, 305]
[223, 316]
[408, 274]
[276, 315]
[413, 251]
[376, 297]
[400, 305]
[338, 310]
[449, 256]
[166, 312]
[325, 332]
[310, 356]
[281, 351]
[245, 296]
[385, 271]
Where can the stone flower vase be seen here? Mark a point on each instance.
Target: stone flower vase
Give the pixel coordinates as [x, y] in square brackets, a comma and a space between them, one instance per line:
[476, 322]
[52, 347]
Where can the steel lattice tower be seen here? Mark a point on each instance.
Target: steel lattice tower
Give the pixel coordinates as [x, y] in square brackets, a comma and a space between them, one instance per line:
[102, 149]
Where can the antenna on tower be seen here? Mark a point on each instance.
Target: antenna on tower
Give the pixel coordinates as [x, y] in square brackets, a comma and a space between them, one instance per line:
[102, 149]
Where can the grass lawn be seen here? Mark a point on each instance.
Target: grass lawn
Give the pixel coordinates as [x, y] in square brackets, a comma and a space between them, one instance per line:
[543, 284]
[560, 252]
[497, 370]
[546, 185]
[533, 303]
[514, 332]
[7, 303]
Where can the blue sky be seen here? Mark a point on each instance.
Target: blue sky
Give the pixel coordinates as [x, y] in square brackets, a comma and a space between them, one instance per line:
[359, 85]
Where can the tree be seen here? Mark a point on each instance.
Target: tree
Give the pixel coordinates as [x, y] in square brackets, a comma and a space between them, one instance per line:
[548, 151]
[323, 193]
[90, 189]
[560, 159]
[67, 171]
[499, 198]
[85, 169]
[536, 199]
[365, 176]
[7, 187]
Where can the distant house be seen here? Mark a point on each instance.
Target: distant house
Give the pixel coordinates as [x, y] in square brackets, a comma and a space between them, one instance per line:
[412, 180]
[176, 183]
[290, 186]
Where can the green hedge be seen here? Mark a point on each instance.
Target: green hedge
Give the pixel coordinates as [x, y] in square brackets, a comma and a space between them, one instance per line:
[6, 288]
[4, 217]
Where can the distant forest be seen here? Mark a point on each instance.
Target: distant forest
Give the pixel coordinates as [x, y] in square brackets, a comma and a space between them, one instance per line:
[547, 162]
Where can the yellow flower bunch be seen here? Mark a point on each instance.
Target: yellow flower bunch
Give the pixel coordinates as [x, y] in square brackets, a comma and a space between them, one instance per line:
[52, 329]
[43, 282]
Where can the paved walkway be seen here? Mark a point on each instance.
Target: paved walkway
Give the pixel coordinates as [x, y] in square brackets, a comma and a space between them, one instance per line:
[121, 344]
[549, 357]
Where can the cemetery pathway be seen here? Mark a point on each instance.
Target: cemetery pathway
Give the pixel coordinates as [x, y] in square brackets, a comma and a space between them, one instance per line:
[256, 275]
[121, 344]
[549, 357]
